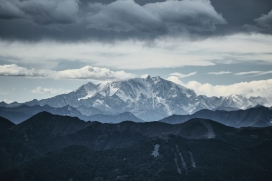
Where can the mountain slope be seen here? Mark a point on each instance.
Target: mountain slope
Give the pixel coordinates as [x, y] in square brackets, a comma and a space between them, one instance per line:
[52, 147]
[176, 159]
[23, 112]
[64, 131]
[256, 117]
[203, 129]
[44, 126]
[5, 123]
[126, 116]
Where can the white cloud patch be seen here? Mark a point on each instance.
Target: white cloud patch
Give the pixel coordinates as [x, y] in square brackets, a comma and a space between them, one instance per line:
[262, 88]
[176, 80]
[7, 101]
[94, 73]
[219, 73]
[87, 72]
[40, 11]
[14, 70]
[254, 73]
[42, 90]
[157, 18]
[179, 75]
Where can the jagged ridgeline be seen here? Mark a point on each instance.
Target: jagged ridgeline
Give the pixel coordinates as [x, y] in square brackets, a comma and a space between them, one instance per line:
[149, 99]
[111, 132]
[258, 116]
[53, 147]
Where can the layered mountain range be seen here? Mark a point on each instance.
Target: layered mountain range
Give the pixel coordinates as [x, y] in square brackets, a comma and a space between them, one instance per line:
[52, 147]
[20, 113]
[84, 135]
[150, 99]
[258, 116]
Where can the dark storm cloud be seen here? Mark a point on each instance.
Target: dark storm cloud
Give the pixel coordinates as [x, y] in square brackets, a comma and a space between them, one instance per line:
[262, 24]
[78, 20]
[241, 15]
[40, 11]
[265, 20]
[170, 17]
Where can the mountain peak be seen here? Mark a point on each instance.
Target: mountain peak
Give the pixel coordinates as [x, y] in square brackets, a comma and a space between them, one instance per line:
[145, 76]
[44, 125]
[148, 98]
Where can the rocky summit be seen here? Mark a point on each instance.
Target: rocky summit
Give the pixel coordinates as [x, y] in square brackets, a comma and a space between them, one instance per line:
[149, 98]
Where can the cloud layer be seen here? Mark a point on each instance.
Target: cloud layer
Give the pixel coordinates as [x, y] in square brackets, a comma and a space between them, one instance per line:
[155, 18]
[109, 20]
[265, 20]
[166, 53]
[40, 11]
[262, 88]
[118, 20]
[87, 72]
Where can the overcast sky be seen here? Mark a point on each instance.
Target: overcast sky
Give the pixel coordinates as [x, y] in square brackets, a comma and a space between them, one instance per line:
[216, 47]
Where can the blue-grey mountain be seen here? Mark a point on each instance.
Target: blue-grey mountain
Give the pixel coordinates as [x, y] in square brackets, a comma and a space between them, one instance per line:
[150, 99]
[254, 117]
[21, 113]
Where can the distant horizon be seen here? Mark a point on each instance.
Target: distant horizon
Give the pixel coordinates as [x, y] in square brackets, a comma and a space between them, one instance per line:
[215, 47]
[144, 77]
[172, 79]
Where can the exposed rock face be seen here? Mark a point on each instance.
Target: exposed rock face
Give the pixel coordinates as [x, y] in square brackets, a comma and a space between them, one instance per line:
[150, 99]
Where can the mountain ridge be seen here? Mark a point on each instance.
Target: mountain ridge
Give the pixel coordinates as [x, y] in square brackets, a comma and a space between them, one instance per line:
[53, 147]
[23, 112]
[150, 99]
[256, 117]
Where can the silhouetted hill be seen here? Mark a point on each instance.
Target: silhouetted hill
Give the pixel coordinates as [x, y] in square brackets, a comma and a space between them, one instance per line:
[23, 112]
[115, 118]
[152, 159]
[52, 147]
[203, 128]
[5, 123]
[256, 117]
[44, 126]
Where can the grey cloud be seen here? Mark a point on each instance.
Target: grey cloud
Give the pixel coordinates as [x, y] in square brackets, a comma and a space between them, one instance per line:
[9, 10]
[263, 24]
[161, 18]
[110, 20]
[40, 11]
[265, 20]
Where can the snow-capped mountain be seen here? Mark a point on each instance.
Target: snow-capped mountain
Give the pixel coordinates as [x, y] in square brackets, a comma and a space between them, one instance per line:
[150, 98]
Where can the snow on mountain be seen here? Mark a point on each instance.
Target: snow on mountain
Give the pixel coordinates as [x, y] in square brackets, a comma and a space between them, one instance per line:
[149, 98]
